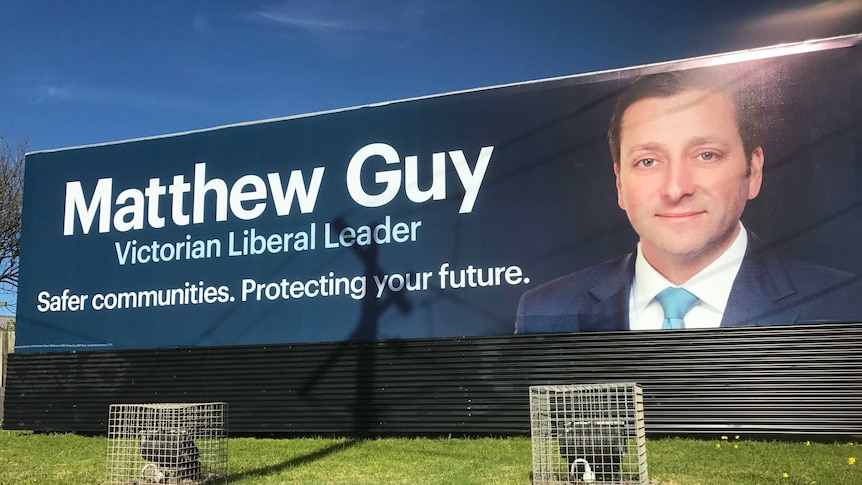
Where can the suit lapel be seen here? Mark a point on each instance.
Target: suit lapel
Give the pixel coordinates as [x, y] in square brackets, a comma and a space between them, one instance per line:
[611, 298]
[760, 286]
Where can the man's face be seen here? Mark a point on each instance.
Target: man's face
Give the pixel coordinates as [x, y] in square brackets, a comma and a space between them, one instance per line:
[682, 177]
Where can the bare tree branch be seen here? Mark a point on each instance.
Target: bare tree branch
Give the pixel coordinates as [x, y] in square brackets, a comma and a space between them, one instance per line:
[11, 189]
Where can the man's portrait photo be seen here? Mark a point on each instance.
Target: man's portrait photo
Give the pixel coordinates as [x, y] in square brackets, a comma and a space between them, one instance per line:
[687, 159]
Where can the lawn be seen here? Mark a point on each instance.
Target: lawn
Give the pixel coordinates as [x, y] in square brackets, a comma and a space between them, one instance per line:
[27, 458]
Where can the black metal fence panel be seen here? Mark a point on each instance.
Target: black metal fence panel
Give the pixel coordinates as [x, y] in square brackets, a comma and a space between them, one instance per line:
[789, 380]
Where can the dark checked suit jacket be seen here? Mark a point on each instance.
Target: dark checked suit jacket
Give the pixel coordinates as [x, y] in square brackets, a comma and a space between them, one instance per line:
[770, 289]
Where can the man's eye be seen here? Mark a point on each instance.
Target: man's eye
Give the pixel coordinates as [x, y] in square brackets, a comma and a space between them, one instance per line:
[707, 156]
[646, 162]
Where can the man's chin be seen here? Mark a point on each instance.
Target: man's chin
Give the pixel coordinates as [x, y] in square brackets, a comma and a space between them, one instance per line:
[692, 253]
[676, 249]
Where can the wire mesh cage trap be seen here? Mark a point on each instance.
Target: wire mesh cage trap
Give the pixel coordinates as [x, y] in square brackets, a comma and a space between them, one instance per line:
[588, 434]
[179, 444]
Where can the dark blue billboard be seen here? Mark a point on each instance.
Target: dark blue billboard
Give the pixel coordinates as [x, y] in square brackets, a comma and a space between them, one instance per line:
[478, 213]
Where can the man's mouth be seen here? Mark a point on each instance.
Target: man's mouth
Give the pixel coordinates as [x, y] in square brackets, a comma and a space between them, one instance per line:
[679, 215]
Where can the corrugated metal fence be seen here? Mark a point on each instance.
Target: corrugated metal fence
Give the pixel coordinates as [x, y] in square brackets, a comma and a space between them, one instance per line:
[800, 380]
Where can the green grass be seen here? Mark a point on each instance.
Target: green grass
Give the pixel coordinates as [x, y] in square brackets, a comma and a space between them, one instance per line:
[27, 458]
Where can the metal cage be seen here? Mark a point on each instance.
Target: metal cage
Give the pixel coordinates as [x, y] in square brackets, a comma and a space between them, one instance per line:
[591, 434]
[181, 444]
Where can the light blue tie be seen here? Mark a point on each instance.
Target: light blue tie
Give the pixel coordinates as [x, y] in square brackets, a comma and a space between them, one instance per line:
[675, 302]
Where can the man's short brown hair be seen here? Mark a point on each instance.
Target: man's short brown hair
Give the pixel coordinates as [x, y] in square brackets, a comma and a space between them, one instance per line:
[668, 84]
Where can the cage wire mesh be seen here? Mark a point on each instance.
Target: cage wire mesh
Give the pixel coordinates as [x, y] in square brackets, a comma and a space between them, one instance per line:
[588, 434]
[180, 444]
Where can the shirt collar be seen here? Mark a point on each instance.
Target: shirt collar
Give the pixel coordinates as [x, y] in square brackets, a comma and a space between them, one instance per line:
[711, 285]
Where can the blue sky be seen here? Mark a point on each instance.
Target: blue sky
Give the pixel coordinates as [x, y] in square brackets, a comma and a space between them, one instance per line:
[83, 72]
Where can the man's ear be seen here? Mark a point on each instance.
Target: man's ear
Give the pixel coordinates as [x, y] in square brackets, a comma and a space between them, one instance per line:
[620, 200]
[755, 173]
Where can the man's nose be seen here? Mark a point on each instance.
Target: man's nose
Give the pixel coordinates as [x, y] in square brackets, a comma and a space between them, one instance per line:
[678, 180]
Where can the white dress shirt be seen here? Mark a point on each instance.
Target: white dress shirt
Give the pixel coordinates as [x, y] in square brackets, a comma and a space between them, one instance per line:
[711, 285]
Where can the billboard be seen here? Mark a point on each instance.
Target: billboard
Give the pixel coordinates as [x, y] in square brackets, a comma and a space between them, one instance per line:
[485, 212]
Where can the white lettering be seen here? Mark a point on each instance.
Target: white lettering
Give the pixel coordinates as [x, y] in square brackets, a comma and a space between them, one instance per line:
[295, 188]
[471, 181]
[77, 205]
[238, 195]
[390, 178]
[202, 186]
